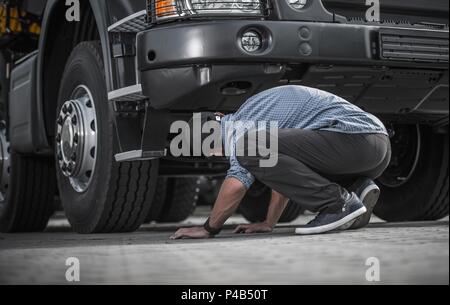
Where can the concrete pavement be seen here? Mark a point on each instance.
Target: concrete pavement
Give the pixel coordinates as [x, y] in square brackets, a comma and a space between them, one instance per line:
[407, 253]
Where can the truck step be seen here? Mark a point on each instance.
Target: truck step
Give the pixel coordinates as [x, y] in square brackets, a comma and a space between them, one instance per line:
[139, 155]
[127, 94]
[132, 24]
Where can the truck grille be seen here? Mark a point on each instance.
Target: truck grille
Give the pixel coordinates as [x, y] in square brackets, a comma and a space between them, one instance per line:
[411, 45]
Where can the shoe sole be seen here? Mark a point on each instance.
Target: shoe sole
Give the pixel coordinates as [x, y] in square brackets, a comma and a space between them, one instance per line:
[370, 198]
[331, 226]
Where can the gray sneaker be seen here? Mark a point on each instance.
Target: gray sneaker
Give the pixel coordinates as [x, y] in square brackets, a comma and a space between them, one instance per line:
[369, 193]
[353, 208]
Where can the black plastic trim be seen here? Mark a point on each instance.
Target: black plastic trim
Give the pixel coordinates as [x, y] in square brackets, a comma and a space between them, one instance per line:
[290, 42]
[24, 111]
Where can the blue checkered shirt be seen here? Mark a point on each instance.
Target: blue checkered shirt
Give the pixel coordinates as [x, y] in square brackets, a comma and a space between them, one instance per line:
[297, 107]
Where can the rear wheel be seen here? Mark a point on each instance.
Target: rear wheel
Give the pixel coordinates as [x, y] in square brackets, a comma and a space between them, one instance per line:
[27, 190]
[159, 200]
[255, 205]
[175, 200]
[27, 183]
[415, 186]
[99, 195]
[3, 88]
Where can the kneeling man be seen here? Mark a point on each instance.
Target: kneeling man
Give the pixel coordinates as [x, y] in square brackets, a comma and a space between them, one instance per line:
[329, 153]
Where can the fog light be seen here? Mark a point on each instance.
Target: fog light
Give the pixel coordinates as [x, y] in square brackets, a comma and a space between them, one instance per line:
[297, 4]
[251, 41]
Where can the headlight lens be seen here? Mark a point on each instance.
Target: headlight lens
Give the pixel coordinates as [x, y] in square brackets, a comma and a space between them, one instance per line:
[226, 6]
[163, 9]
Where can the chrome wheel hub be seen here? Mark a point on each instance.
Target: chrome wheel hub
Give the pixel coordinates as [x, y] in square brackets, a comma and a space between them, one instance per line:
[5, 163]
[76, 139]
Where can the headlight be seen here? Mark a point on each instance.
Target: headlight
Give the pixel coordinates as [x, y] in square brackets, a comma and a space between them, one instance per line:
[163, 9]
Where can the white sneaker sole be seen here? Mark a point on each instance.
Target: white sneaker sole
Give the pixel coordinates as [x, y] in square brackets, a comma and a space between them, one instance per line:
[370, 198]
[372, 188]
[331, 226]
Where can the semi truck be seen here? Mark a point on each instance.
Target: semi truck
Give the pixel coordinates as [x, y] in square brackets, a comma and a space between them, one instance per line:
[89, 90]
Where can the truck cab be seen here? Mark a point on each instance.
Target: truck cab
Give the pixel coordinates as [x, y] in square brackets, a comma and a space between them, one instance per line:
[90, 90]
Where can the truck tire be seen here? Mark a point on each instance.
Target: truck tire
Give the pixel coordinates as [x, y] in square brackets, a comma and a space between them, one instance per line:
[181, 200]
[99, 195]
[3, 88]
[415, 187]
[27, 184]
[255, 205]
[158, 200]
[27, 191]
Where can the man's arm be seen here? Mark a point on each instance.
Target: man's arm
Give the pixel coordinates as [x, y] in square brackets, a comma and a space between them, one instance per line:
[230, 196]
[277, 205]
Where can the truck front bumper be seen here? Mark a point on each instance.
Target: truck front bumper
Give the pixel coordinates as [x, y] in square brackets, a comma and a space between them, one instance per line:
[203, 65]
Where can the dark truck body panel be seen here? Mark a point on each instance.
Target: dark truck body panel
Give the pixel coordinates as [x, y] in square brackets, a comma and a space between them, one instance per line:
[347, 59]
[340, 54]
[45, 89]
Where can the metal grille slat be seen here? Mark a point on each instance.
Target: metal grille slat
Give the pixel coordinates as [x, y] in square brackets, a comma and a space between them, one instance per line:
[417, 46]
[128, 94]
[132, 24]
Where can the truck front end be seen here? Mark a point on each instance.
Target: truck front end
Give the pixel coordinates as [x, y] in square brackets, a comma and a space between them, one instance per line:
[215, 54]
[389, 57]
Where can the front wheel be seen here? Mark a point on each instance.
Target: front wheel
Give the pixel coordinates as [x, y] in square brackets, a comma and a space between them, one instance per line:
[99, 195]
[415, 186]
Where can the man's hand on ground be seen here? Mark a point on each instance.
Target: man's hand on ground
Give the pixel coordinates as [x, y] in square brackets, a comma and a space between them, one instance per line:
[194, 233]
[254, 228]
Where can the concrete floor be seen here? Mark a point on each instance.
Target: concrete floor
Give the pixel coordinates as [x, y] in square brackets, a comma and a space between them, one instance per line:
[408, 253]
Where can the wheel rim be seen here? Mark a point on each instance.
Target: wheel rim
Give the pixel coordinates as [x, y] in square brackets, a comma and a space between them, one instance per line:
[406, 149]
[76, 139]
[5, 164]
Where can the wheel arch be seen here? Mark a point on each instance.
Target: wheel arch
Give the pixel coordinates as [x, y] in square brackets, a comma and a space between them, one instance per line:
[58, 38]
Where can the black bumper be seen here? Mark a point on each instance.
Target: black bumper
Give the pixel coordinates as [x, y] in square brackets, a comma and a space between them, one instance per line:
[202, 65]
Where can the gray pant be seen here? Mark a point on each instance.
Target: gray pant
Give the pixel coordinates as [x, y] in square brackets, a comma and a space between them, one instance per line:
[314, 167]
